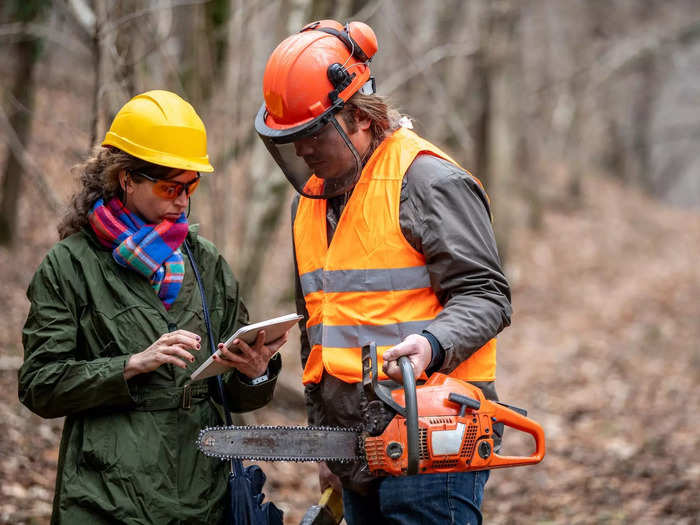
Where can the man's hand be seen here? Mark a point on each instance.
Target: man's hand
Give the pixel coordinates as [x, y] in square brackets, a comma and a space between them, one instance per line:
[250, 361]
[169, 348]
[416, 348]
[327, 479]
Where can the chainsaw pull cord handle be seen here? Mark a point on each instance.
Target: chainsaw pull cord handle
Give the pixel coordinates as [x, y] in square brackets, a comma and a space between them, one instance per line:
[236, 465]
[410, 411]
[464, 402]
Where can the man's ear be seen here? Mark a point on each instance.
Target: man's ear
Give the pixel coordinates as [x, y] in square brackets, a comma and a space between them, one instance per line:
[362, 121]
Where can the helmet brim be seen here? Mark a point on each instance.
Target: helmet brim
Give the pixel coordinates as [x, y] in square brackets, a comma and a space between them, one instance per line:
[281, 135]
[322, 179]
[160, 158]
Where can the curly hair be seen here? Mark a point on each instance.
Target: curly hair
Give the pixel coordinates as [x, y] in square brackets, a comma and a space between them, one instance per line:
[99, 179]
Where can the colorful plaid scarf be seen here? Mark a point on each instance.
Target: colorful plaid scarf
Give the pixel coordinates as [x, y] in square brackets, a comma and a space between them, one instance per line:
[149, 249]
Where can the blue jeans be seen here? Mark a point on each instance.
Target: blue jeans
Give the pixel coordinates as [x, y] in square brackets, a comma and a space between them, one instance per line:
[422, 499]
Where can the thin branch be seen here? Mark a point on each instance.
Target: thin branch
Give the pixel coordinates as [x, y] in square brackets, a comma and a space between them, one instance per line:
[619, 57]
[167, 58]
[457, 126]
[23, 30]
[113, 26]
[368, 11]
[628, 53]
[28, 165]
[422, 65]
[63, 8]
[83, 15]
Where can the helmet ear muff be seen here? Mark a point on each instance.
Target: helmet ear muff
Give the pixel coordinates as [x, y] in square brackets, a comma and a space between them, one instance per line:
[339, 76]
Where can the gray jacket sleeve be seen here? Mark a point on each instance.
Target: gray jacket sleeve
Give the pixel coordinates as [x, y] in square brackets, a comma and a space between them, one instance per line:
[444, 214]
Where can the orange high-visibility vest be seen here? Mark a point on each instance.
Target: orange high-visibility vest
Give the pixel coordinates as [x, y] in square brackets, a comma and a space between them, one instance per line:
[370, 284]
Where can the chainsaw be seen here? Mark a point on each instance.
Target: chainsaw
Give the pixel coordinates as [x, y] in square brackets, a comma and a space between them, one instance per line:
[443, 425]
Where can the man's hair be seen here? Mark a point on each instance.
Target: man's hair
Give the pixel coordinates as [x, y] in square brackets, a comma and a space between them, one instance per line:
[384, 118]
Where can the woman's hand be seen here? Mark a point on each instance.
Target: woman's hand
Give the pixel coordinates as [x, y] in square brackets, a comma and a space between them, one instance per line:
[250, 361]
[169, 348]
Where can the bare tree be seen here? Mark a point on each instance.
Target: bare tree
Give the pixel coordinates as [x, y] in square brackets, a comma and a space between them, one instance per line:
[21, 103]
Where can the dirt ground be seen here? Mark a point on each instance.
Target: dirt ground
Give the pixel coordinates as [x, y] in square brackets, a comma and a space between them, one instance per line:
[603, 351]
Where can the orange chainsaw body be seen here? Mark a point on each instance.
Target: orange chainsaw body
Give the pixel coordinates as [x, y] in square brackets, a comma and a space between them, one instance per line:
[452, 437]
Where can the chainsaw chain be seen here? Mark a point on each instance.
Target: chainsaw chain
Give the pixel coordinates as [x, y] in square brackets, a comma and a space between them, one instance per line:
[224, 457]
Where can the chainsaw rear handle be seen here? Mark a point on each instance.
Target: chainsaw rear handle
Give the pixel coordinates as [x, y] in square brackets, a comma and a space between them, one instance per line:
[513, 419]
[410, 411]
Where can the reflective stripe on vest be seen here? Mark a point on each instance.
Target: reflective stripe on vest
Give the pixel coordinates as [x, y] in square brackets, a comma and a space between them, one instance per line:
[365, 280]
[370, 284]
[348, 336]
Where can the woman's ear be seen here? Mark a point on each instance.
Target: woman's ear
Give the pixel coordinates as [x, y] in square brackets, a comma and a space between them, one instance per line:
[124, 180]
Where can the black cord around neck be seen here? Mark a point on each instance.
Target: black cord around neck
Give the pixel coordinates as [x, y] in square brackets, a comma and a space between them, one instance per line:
[212, 347]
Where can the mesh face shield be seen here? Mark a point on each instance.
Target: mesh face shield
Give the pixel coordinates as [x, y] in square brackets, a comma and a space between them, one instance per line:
[318, 158]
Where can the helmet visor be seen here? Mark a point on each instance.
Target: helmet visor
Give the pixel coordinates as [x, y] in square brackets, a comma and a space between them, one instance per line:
[320, 163]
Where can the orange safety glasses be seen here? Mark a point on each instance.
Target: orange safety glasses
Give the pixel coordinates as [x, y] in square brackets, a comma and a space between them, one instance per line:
[170, 189]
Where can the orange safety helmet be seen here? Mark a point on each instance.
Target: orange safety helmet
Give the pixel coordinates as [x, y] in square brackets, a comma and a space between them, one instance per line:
[307, 80]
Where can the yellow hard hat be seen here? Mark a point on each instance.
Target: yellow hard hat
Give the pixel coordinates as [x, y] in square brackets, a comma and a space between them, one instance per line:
[161, 128]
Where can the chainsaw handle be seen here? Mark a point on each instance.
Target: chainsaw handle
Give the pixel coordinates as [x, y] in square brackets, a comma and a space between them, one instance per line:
[409, 388]
[370, 379]
[517, 421]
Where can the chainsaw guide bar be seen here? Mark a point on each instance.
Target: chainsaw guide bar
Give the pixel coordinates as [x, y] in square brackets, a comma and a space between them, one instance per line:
[282, 443]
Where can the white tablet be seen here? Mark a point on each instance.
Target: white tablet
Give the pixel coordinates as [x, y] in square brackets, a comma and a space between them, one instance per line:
[274, 329]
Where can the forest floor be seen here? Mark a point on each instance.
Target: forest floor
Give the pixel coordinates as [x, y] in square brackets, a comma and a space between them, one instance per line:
[603, 351]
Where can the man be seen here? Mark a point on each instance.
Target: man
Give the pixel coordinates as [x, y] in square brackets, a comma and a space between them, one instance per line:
[393, 244]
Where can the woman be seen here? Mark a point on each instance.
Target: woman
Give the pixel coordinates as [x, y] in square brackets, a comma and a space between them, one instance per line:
[116, 327]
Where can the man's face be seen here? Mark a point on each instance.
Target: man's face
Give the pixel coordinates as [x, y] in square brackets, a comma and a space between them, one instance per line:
[326, 153]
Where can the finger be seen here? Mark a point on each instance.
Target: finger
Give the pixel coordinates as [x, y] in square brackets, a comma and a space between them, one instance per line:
[184, 337]
[224, 362]
[187, 333]
[179, 352]
[226, 354]
[163, 358]
[393, 353]
[183, 346]
[177, 334]
[242, 348]
[389, 367]
[259, 341]
[228, 363]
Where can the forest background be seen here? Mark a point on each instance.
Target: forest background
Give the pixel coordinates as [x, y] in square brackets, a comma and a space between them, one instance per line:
[582, 118]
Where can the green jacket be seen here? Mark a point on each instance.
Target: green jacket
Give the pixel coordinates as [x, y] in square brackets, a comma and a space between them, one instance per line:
[127, 451]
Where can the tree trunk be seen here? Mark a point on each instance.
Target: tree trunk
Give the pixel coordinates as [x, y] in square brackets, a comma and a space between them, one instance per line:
[503, 123]
[97, 72]
[20, 120]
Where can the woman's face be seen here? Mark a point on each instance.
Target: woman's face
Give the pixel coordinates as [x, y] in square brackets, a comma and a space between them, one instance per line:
[152, 208]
